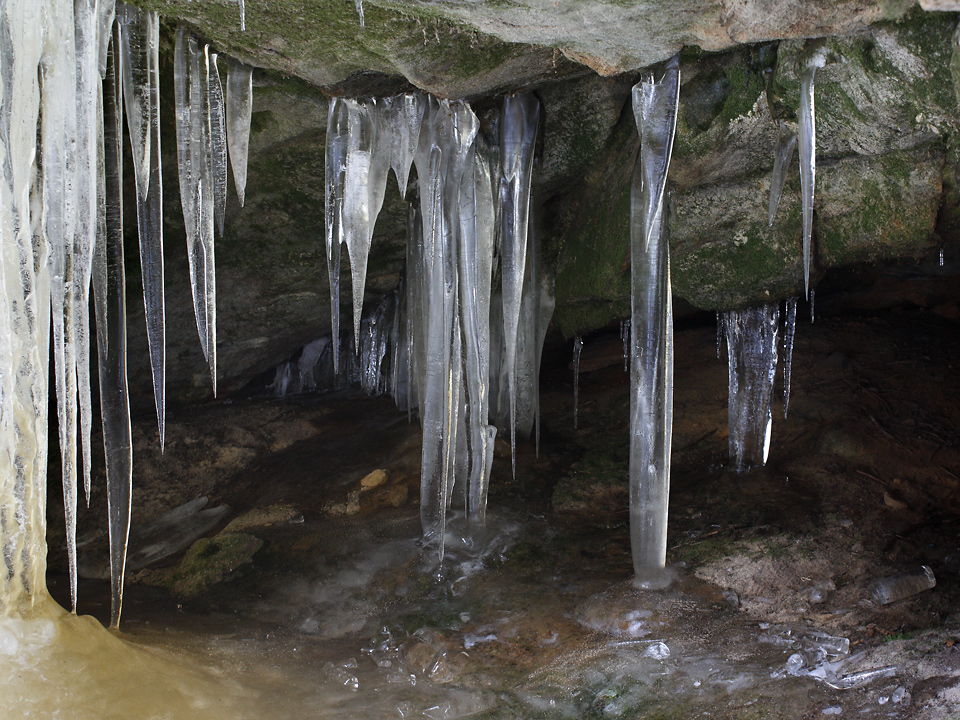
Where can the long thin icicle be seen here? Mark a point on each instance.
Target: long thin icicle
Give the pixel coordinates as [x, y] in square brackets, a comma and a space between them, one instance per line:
[110, 299]
[239, 110]
[140, 61]
[199, 180]
[218, 142]
[789, 331]
[518, 137]
[335, 165]
[752, 353]
[87, 44]
[58, 159]
[651, 357]
[808, 151]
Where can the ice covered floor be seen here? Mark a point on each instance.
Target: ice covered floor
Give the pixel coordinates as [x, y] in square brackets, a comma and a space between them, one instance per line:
[332, 613]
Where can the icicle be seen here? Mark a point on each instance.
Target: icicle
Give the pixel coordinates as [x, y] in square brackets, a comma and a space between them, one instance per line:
[448, 132]
[577, 347]
[239, 111]
[752, 352]
[243, 18]
[364, 184]
[813, 296]
[106, 12]
[791, 308]
[400, 120]
[110, 301]
[140, 61]
[941, 257]
[359, 6]
[218, 143]
[477, 235]
[198, 183]
[335, 166]
[625, 339]
[59, 163]
[651, 376]
[808, 151]
[88, 148]
[518, 137]
[24, 312]
[785, 148]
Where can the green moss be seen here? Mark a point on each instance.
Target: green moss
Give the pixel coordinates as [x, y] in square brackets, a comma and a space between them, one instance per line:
[746, 86]
[210, 560]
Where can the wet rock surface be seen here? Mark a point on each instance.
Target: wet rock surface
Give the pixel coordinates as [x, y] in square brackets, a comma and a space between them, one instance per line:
[771, 615]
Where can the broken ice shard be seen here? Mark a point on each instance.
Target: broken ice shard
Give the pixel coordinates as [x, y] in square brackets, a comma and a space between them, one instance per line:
[110, 303]
[239, 107]
[752, 366]
[518, 138]
[813, 58]
[140, 61]
[651, 326]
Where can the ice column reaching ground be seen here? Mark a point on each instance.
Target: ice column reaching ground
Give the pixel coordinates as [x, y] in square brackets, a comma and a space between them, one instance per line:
[239, 107]
[110, 303]
[445, 143]
[577, 347]
[518, 137]
[199, 143]
[651, 357]
[477, 234]
[140, 62]
[752, 358]
[812, 59]
[788, 333]
[24, 313]
[59, 161]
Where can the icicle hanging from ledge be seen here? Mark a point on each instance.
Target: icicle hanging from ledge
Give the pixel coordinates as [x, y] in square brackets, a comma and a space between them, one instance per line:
[239, 107]
[752, 357]
[813, 59]
[140, 61]
[651, 357]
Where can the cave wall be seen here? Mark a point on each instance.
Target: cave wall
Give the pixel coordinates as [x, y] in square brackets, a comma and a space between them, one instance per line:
[887, 116]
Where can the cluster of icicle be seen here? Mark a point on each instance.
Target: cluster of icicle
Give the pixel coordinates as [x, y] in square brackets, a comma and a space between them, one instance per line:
[461, 353]
[71, 70]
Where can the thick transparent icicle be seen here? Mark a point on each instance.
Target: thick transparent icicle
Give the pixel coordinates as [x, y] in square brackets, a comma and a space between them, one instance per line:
[400, 120]
[364, 184]
[789, 331]
[88, 148]
[239, 111]
[518, 138]
[448, 132]
[752, 358]
[335, 165]
[651, 357]
[140, 62]
[59, 161]
[218, 143]
[477, 235]
[110, 294]
[577, 347]
[195, 156]
[813, 59]
[24, 314]
[785, 148]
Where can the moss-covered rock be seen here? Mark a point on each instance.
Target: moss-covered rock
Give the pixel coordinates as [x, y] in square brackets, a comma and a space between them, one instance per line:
[210, 560]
